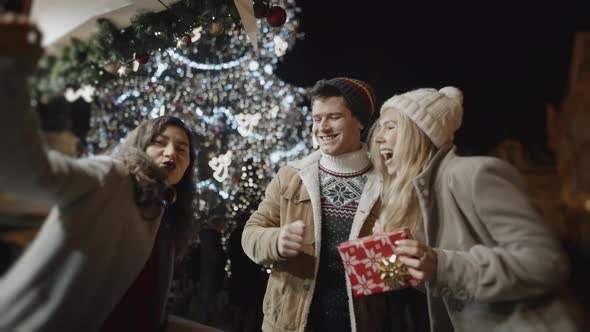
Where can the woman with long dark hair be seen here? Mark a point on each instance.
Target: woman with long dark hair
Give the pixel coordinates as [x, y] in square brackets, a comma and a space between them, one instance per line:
[104, 257]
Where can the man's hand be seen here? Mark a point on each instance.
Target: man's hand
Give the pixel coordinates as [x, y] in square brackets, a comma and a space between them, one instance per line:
[18, 36]
[291, 239]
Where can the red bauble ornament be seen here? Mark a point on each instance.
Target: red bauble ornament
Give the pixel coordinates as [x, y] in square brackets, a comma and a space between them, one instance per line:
[260, 9]
[277, 16]
[142, 58]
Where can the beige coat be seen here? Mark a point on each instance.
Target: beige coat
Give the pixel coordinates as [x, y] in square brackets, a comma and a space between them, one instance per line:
[499, 268]
[94, 242]
[294, 194]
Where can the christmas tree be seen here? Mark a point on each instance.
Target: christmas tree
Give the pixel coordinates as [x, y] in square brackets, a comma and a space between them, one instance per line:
[248, 122]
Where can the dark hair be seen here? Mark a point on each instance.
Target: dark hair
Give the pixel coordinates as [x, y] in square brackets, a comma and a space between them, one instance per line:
[358, 96]
[149, 179]
[322, 89]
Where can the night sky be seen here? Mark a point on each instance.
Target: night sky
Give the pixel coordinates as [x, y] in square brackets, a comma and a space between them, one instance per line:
[508, 60]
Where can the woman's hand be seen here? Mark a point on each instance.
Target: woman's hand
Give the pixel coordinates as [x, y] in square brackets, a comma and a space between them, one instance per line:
[419, 258]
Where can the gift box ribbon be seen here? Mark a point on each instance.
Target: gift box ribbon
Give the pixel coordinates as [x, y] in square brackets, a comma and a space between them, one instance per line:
[392, 272]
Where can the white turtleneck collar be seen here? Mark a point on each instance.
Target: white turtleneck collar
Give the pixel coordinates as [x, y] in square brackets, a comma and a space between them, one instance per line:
[351, 162]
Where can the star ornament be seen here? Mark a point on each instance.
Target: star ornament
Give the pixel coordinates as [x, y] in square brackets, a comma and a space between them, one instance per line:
[392, 272]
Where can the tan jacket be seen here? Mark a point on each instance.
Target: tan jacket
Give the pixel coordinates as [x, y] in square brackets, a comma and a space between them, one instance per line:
[499, 268]
[294, 194]
[94, 242]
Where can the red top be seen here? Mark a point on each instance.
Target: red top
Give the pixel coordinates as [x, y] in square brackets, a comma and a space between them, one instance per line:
[134, 310]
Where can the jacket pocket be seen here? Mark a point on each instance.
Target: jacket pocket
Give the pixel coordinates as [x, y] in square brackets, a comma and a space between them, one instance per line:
[296, 205]
[296, 194]
[281, 303]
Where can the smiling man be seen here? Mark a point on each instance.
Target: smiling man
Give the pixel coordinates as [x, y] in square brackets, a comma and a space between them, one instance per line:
[311, 206]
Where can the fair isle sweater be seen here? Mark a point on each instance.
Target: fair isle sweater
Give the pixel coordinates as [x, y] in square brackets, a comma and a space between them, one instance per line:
[342, 179]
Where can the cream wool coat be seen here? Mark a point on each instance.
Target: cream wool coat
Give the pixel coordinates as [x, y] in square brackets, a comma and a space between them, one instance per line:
[499, 268]
[94, 242]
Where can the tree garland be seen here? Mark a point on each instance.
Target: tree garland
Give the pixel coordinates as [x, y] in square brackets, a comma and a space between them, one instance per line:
[111, 51]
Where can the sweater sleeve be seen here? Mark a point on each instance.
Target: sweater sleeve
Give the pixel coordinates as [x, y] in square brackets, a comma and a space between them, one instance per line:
[526, 260]
[28, 170]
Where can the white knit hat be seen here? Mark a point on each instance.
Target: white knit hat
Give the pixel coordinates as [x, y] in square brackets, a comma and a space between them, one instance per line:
[437, 112]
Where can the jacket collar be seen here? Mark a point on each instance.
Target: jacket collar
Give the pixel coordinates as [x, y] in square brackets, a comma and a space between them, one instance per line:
[310, 159]
[422, 183]
[371, 194]
[424, 178]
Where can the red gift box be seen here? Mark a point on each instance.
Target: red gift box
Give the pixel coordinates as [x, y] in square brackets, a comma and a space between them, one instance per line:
[371, 264]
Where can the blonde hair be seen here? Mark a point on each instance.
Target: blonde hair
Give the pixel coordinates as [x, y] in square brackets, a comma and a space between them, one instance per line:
[412, 153]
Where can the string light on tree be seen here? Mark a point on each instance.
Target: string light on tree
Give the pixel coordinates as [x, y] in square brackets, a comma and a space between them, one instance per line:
[274, 111]
[260, 9]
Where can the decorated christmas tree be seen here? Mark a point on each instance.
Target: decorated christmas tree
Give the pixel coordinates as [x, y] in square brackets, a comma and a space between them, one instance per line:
[248, 122]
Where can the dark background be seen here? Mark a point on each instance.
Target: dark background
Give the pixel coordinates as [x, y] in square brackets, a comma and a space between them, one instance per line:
[510, 59]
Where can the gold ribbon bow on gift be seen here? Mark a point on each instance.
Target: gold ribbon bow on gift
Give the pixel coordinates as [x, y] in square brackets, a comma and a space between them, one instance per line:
[392, 272]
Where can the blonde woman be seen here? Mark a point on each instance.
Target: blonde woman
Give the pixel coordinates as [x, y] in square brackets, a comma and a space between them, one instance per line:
[487, 259]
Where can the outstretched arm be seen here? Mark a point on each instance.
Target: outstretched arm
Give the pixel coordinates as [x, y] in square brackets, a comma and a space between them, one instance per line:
[28, 169]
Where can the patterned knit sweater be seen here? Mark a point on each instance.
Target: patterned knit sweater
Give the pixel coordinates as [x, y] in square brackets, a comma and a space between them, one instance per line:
[342, 179]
